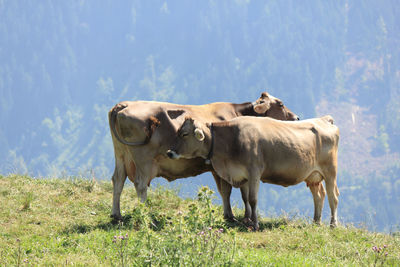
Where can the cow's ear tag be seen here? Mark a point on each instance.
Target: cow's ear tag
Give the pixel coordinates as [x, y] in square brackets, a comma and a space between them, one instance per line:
[198, 133]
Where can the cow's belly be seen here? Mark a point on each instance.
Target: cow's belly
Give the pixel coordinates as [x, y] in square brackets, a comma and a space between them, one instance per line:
[234, 174]
[287, 176]
[290, 168]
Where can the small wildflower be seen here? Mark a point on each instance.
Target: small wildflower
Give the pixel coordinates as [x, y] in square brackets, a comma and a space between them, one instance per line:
[180, 212]
[386, 254]
[18, 240]
[210, 228]
[25, 260]
[385, 246]
[221, 230]
[126, 236]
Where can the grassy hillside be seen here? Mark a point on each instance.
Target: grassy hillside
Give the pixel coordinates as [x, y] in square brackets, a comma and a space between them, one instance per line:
[66, 222]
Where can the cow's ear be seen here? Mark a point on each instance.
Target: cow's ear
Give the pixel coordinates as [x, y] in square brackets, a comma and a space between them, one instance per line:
[261, 108]
[173, 114]
[199, 134]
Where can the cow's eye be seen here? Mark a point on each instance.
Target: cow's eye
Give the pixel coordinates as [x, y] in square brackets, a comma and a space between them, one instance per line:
[183, 135]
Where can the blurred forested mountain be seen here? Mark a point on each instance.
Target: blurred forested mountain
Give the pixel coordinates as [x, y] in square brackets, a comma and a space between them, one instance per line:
[64, 64]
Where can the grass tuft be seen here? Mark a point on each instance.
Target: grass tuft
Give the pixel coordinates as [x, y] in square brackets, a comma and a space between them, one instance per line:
[26, 201]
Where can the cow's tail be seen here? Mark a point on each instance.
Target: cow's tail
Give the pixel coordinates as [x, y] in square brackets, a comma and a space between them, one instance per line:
[151, 126]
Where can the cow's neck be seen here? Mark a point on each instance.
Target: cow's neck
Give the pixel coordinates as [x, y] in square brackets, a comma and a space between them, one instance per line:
[244, 109]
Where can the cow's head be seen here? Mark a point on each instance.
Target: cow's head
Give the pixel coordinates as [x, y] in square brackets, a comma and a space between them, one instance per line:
[193, 140]
[270, 106]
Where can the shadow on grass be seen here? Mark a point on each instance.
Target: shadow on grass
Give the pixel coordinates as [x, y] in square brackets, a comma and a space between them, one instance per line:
[157, 222]
[263, 224]
[128, 222]
[111, 224]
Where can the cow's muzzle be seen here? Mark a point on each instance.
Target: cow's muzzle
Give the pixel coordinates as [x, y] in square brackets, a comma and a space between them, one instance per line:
[172, 154]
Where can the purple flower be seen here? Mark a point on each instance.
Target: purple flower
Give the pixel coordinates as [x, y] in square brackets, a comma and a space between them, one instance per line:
[386, 254]
[385, 246]
[374, 248]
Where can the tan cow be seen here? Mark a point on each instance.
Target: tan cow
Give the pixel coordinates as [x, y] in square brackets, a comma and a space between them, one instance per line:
[142, 131]
[247, 150]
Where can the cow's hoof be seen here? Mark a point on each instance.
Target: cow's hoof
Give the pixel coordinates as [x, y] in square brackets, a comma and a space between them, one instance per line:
[253, 227]
[317, 223]
[116, 218]
[248, 222]
[256, 227]
[334, 222]
[230, 219]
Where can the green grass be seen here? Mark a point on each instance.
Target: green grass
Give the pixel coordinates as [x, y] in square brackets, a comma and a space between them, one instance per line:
[66, 222]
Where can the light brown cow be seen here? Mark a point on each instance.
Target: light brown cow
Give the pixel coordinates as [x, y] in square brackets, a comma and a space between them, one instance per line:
[142, 131]
[247, 150]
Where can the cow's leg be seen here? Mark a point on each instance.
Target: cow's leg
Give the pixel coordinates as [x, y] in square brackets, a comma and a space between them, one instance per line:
[244, 190]
[225, 190]
[118, 180]
[254, 185]
[318, 192]
[333, 194]
[144, 175]
[141, 188]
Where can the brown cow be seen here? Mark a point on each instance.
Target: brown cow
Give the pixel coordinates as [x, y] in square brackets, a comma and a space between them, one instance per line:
[142, 131]
[247, 150]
